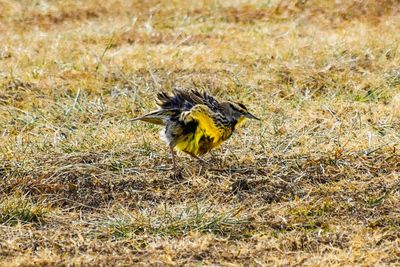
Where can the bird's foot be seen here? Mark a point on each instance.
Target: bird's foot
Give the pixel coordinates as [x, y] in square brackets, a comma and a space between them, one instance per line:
[215, 159]
[177, 175]
[202, 161]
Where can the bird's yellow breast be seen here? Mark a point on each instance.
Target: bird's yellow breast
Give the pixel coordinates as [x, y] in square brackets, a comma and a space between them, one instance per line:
[208, 127]
[208, 135]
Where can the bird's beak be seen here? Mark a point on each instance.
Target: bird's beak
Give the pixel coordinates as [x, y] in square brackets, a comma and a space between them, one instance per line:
[251, 116]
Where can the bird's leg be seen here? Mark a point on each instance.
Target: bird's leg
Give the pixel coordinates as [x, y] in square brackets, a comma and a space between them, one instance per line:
[214, 158]
[202, 161]
[173, 155]
[177, 174]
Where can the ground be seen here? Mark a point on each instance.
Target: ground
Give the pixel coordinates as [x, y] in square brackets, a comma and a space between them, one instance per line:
[316, 182]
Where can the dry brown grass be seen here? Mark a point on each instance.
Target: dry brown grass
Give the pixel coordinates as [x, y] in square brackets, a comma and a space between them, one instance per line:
[315, 183]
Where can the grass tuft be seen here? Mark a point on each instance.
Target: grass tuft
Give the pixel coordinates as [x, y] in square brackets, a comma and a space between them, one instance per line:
[19, 209]
[176, 221]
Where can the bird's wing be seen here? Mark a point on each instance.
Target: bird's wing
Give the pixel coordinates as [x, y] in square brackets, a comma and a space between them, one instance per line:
[172, 106]
[185, 100]
[205, 99]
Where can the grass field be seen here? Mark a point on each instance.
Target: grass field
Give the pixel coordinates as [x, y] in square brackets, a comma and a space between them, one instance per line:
[316, 182]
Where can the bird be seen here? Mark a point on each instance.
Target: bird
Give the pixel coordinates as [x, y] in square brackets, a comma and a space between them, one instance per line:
[194, 121]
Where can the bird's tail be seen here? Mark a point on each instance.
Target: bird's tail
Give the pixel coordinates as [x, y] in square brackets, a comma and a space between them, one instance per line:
[156, 117]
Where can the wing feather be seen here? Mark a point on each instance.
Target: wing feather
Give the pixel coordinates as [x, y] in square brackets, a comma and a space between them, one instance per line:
[196, 105]
[185, 100]
[159, 117]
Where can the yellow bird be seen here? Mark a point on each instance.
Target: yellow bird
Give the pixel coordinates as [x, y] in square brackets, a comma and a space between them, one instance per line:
[195, 122]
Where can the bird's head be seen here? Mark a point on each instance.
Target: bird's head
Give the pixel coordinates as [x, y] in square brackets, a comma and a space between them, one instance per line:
[239, 113]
